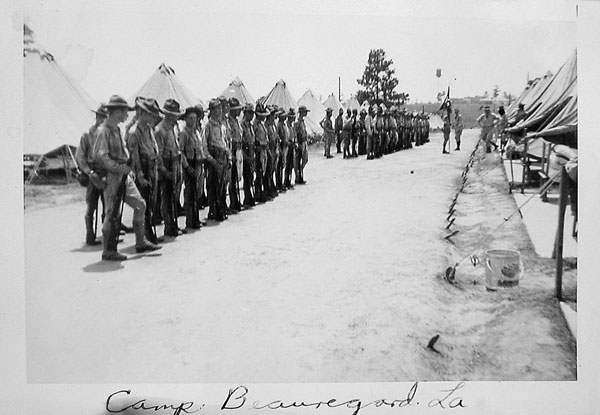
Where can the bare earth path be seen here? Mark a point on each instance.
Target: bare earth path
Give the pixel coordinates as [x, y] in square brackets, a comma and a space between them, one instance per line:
[335, 281]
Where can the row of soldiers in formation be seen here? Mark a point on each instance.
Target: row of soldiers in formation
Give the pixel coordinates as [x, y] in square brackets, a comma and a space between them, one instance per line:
[375, 132]
[148, 168]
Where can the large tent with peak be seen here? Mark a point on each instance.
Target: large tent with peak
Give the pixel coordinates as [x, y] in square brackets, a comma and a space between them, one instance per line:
[352, 103]
[237, 89]
[281, 97]
[316, 114]
[164, 84]
[333, 103]
[57, 110]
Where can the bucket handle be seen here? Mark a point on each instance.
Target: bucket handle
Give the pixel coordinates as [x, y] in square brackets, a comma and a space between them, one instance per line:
[488, 264]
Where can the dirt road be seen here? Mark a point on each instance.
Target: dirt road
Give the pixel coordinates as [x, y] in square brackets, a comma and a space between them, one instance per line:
[336, 281]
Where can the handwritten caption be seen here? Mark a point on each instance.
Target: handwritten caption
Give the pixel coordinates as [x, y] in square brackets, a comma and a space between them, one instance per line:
[239, 398]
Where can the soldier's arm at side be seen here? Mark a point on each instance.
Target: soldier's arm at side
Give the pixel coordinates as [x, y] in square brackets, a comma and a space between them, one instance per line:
[82, 150]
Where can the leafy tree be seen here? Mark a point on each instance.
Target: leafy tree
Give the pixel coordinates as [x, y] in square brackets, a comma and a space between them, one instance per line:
[379, 82]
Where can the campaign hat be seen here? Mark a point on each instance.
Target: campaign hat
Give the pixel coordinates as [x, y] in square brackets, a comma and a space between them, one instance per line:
[117, 101]
[302, 108]
[172, 107]
[234, 104]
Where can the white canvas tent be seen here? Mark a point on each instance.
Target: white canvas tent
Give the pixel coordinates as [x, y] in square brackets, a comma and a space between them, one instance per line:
[164, 84]
[281, 97]
[352, 103]
[316, 114]
[237, 89]
[333, 103]
[57, 111]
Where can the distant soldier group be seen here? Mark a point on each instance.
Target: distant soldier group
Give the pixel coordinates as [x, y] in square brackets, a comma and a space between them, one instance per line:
[156, 159]
[375, 132]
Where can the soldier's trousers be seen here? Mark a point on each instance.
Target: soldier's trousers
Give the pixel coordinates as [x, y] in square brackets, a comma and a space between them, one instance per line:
[92, 195]
[215, 187]
[114, 194]
[354, 140]
[289, 165]
[457, 135]
[327, 144]
[280, 168]
[362, 145]
[339, 141]
[234, 184]
[190, 195]
[249, 169]
[168, 202]
[149, 195]
[301, 160]
[487, 135]
[200, 192]
[259, 186]
[346, 143]
[370, 145]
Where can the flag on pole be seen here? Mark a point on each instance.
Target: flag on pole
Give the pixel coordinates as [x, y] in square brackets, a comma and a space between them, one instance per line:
[446, 104]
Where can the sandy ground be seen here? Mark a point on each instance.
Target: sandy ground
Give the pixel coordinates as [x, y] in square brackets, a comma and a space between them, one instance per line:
[339, 280]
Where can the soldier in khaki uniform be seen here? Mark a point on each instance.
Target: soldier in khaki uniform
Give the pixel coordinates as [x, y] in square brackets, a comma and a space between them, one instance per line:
[85, 161]
[261, 145]
[292, 148]
[144, 160]
[284, 137]
[249, 166]
[190, 146]
[111, 158]
[272, 150]
[302, 140]
[328, 132]
[235, 131]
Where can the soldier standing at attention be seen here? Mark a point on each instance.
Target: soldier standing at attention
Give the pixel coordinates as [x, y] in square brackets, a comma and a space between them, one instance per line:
[284, 136]
[261, 145]
[191, 150]
[362, 143]
[248, 155]
[379, 130]
[328, 131]
[292, 148]
[458, 128]
[227, 170]
[170, 168]
[446, 131]
[302, 139]
[144, 160]
[85, 161]
[354, 133]
[339, 125]
[272, 137]
[111, 158]
[215, 134]
[369, 129]
[486, 122]
[235, 130]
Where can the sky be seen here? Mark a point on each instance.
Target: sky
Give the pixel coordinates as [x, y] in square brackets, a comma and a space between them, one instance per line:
[115, 46]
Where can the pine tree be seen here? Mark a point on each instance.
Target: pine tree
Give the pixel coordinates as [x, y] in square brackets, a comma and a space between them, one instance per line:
[379, 81]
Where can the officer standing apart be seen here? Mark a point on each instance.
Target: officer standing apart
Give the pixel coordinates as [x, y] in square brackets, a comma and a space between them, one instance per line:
[85, 161]
[446, 131]
[111, 157]
[486, 122]
[302, 140]
[328, 131]
[144, 159]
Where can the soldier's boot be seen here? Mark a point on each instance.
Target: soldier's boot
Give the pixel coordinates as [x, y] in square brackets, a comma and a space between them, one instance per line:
[457, 146]
[141, 243]
[90, 235]
[110, 243]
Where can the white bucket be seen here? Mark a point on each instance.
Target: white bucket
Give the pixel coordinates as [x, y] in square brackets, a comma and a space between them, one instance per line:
[503, 268]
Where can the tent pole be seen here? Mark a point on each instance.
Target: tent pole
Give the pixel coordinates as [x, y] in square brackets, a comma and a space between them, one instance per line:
[558, 241]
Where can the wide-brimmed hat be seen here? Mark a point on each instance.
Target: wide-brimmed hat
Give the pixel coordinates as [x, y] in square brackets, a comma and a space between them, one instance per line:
[117, 101]
[234, 104]
[199, 111]
[261, 110]
[214, 103]
[248, 108]
[291, 113]
[149, 105]
[329, 109]
[101, 111]
[341, 110]
[302, 108]
[486, 107]
[171, 107]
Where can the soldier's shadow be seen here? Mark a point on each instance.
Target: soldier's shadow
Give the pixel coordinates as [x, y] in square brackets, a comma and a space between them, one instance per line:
[103, 266]
[88, 248]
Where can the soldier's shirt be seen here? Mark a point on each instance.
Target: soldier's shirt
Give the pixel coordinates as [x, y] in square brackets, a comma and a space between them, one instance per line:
[247, 133]
[260, 133]
[283, 132]
[339, 123]
[109, 149]
[379, 124]
[272, 135]
[84, 155]
[486, 121]
[190, 144]
[301, 134]
[215, 133]
[235, 130]
[292, 131]
[369, 125]
[142, 146]
[166, 140]
[328, 128]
